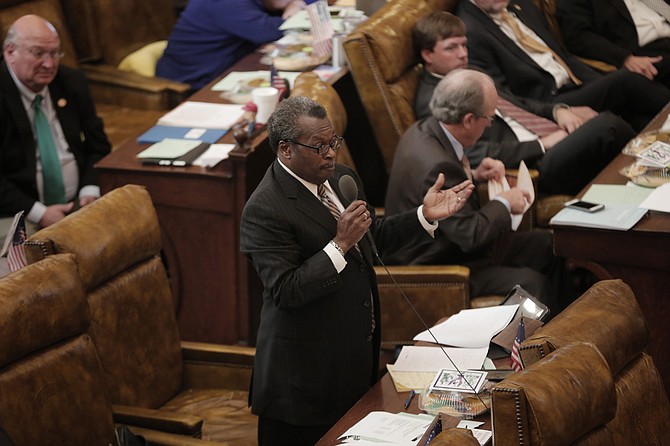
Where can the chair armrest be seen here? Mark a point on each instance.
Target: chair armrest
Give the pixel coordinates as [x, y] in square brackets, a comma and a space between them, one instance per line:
[210, 365]
[156, 438]
[111, 85]
[163, 420]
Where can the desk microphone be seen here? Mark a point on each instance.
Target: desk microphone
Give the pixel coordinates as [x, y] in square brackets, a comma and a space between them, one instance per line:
[349, 189]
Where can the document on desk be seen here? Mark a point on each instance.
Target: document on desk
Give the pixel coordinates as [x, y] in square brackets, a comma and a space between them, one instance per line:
[205, 115]
[473, 328]
[400, 429]
[619, 217]
[238, 79]
[659, 199]
[214, 155]
[415, 358]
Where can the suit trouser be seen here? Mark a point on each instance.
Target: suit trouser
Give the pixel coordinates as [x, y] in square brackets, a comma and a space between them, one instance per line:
[629, 95]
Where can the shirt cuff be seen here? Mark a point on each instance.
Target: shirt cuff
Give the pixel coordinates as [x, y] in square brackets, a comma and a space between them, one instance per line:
[90, 191]
[539, 141]
[335, 256]
[36, 212]
[429, 227]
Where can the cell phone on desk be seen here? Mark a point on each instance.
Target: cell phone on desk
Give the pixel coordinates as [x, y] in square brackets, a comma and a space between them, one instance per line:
[584, 205]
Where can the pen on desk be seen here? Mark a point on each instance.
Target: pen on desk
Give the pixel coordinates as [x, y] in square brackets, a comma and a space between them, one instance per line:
[409, 398]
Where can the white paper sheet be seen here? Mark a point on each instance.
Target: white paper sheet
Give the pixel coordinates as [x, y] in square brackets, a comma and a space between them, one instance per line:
[472, 328]
[401, 429]
[431, 359]
[659, 199]
[202, 114]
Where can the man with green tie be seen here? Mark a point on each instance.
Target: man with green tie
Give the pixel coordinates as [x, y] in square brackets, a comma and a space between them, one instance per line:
[50, 134]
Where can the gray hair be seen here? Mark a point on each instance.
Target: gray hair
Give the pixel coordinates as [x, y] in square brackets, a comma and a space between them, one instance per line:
[11, 38]
[459, 93]
[13, 35]
[283, 123]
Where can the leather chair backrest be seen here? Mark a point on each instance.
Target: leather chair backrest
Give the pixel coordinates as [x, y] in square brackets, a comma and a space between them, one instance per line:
[566, 399]
[606, 315]
[116, 240]
[385, 70]
[112, 29]
[435, 291]
[51, 385]
[51, 10]
[609, 316]
[309, 84]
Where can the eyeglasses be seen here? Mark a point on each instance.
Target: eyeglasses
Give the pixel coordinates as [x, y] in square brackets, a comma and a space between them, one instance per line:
[490, 118]
[42, 55]
[322, 149]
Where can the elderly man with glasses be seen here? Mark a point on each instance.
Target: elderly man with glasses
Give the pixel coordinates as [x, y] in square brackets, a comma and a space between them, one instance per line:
[50, 135]
[304, 230]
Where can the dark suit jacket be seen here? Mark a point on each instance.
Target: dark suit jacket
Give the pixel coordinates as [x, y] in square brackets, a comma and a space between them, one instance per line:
[511, 68]
[498, 141]
[465, 238]
[83, 131]
[315, 354]
[602, 30]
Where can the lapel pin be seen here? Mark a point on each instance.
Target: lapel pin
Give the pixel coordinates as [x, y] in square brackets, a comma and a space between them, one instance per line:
[62, 102]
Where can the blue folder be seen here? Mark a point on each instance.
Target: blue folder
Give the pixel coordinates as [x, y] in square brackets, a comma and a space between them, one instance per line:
[160, 132]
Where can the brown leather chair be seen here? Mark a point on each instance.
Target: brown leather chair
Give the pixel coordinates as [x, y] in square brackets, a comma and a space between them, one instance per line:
[566, 399]
[609, 316]
[51, 382]
[153, 379]
[455, 437]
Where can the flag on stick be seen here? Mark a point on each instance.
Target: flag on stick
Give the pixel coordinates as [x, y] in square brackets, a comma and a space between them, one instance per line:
[515, 361]
[16, 255]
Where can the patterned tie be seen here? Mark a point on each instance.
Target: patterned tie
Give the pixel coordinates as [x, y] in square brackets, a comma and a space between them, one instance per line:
[659, 6]
[538, 125]
[466, 166]
[325, 199]
[52, 175]
[532, 45]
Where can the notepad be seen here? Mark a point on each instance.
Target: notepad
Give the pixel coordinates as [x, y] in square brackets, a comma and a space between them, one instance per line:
[173, 152]
[203, 115]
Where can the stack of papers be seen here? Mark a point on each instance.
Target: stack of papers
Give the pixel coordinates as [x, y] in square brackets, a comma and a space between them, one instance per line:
[524, 182]
[473, 328]
[399, 429]
[205, 115]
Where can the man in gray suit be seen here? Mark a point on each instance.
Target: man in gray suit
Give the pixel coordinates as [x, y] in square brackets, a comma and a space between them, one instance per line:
[319, 335]
[478, 236]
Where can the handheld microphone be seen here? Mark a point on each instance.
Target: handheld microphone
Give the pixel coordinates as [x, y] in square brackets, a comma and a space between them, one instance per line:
[349, 189]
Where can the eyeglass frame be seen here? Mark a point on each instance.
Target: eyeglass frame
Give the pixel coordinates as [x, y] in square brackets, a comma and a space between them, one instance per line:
[41, 54]
[490, 118]
[335, 144]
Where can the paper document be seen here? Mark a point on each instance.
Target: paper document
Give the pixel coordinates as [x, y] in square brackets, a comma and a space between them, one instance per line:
[300, 20]
[203, 115]
[247, 78]
[214, 155]
[659, 199]
[169, 148]
[160, 132]
[401, 429]
[431, 359]
[620, 217]
[473, 328]
[616, 194]
[524, 182]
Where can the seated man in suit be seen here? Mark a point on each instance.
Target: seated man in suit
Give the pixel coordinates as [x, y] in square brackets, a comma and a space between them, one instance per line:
[50, 134]
[523, 129]
[627, 34]
[479, 237]
[513, 44]
[319, 336]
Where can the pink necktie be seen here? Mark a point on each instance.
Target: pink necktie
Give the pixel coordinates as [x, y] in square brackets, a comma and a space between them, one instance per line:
[537, 124]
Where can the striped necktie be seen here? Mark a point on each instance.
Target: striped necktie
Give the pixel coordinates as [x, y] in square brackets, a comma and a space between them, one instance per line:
[535, 46]
[52, 174]
[325, 199]
[538, 125]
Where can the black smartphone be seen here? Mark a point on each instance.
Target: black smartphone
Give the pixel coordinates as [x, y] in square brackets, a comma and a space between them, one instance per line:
[584, 205]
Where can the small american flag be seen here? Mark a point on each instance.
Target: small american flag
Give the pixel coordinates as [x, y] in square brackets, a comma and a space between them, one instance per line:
[322, 28]
[16, 255]
[278, 82]
[515, 361]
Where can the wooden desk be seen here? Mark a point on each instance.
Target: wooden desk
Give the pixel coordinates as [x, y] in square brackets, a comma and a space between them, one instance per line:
[640, 257]
[216, 292]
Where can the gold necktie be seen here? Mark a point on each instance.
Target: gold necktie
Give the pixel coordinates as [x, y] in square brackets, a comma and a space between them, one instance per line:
[532, 45]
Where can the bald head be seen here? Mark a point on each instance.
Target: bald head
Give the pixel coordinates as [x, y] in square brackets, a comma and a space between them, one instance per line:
[462, 92]
[32, 51]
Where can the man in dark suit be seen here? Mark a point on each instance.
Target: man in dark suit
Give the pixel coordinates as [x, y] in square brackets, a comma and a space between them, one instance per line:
[30, 69]
[552, 74]
[626, 34]
[581, 142]
[318, 342]
[479, 237]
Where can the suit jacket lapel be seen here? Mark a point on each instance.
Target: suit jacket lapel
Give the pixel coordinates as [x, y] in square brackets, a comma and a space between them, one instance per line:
[621, 8]
[12, 97]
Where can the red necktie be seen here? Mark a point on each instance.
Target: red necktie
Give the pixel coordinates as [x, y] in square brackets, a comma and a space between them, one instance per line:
[534, 123]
